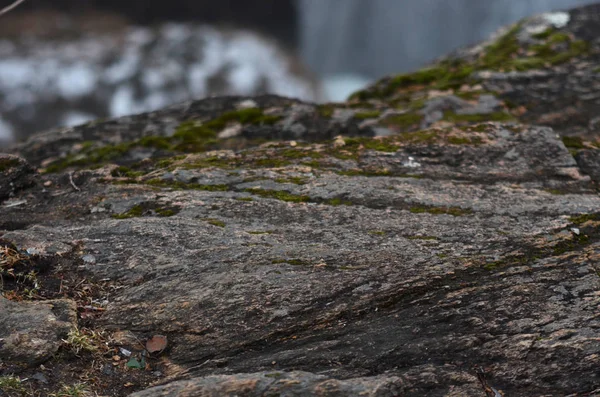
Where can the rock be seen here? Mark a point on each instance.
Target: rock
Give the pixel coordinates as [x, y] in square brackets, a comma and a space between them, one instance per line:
[30, 333]
[15, 174]
[456, 260]
[279, 383]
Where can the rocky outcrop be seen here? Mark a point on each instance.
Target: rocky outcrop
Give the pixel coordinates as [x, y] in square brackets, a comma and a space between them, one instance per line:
[255, 246]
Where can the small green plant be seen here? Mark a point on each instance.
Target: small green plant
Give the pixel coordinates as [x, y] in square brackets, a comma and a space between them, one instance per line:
[76, 390]
[82, 340]
[12, 386]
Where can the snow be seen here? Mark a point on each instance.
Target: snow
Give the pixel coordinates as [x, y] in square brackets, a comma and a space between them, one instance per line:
[140, 70]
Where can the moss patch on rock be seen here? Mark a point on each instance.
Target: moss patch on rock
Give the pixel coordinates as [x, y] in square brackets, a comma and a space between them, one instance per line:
[191, 136]
[279, 195]
[507, 53]
[148, 209]
[8, 163]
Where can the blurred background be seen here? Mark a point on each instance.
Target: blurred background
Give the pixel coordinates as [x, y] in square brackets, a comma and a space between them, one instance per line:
[64, 62]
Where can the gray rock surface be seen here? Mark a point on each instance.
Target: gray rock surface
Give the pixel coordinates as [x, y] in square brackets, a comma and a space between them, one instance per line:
[278, 383]
[31, 332]
[458, 260]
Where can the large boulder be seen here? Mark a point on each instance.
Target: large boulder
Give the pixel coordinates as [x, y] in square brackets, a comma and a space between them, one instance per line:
[256, 246]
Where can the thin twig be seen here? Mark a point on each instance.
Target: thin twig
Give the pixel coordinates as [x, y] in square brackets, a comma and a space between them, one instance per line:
[10, 7]
[72, 182]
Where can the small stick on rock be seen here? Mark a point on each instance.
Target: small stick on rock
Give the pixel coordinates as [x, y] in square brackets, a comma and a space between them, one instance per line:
[72, 182]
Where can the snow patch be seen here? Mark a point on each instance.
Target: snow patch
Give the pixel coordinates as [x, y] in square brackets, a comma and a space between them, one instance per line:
[558, 19]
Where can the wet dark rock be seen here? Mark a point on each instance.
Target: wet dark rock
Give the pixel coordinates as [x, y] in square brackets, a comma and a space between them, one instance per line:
[456, 260]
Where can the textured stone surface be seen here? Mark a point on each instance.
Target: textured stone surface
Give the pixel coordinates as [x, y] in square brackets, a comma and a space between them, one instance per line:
[277, 383]
[277, 256]
[15, 174]
[32, 332]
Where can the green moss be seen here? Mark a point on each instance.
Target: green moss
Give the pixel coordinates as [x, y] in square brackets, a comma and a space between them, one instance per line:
[299, 154]
[477, 118]
[422, 238]
[557, 191]
[415, 105]
[570, 244]
[144, 208]
[313, 164]
[505, 54]
[543, 35]
[125, 172]
[135, 211]
[165, 212]
[573, 142]
[193, 136]
[421, 136]
[558, 37]
[403, 121]
[367, 115]
[90, 156]
[525, 64]
[454, 211]
[473, 140]
[261, 232]
[244, 199]
[279, 195]
[326, 110]
[158, 142]
[12, 386]
[337, 201]
[377, 232]
[276, 375]
[446, 74]
[583, 218]
[380, 145]
[502, 50]
[292, 179]
[6, 164]
[442, 256]
[167, 162]
[177, 185]
[215, 222]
